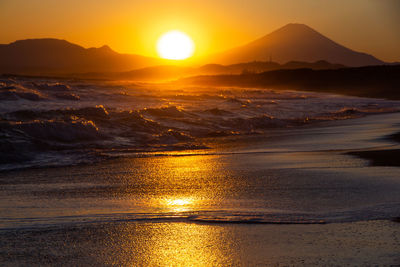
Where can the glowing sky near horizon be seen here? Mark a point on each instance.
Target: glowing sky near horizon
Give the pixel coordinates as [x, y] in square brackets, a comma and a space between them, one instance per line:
[133, 26]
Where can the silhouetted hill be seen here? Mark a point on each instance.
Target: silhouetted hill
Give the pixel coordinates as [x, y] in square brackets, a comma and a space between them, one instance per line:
[372, 81]
[163, 73]
[156, 73]
[296, 42]
[46, 56]
[291, 47]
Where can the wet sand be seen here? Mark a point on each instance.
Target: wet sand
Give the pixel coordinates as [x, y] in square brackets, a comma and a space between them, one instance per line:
[365, 243]
[386, 157]
[132, 211]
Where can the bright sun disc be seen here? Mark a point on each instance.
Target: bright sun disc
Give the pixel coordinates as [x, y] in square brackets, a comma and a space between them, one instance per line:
[175, 45]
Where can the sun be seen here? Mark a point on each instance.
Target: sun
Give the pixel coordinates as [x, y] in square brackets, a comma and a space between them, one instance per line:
[175, 45]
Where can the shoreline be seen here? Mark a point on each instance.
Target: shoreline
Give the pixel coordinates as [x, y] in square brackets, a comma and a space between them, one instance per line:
[370, 81]
[386, 157]
[294, 180]
[211, 145]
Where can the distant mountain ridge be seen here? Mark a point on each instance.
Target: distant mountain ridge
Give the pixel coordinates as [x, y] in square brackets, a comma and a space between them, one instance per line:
[296, 42]
[39, 56]
[291, 43]
[175, 72]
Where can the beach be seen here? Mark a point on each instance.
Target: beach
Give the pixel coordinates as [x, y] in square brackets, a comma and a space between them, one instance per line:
[181, 244]
[269, 199]
[199, 133]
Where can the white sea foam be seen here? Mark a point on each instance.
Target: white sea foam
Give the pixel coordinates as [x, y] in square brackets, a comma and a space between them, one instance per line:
[40, 116]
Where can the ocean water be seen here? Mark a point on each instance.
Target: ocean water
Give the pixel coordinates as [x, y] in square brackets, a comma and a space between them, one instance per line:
[76, 151]
[107, 173]
[49, 122]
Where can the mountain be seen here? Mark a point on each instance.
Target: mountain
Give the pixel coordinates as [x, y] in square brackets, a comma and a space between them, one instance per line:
[51, 56]
[295, 42]
[165, 73]
[261, 66]
[292, 45]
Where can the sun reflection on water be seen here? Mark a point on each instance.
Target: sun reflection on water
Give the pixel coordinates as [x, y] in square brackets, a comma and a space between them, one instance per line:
[170, 244]
[179, 204]
[180, 184]
[184, 183]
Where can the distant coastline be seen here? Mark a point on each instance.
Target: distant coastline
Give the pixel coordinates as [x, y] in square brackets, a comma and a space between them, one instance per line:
[372, 81]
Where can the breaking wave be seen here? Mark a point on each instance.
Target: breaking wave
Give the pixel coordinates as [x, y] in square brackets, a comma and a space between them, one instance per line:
[48, 121]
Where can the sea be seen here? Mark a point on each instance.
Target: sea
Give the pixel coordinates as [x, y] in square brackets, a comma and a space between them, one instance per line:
[81, 157]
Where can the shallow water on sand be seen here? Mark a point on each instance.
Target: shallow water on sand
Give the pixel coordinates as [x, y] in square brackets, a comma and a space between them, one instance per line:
[242, 201]
[276, 178]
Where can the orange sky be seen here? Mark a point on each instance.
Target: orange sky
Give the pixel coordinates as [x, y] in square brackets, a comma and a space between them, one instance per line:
[132, 26]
